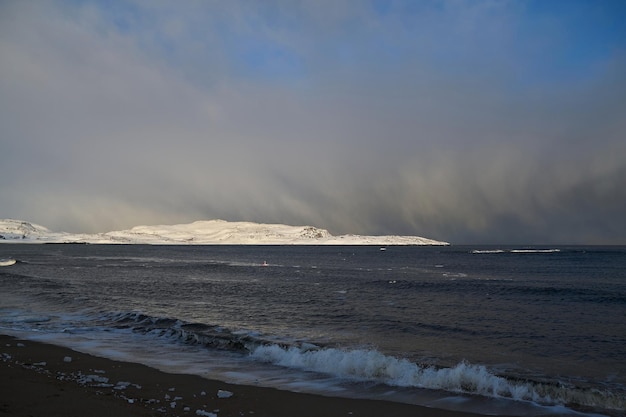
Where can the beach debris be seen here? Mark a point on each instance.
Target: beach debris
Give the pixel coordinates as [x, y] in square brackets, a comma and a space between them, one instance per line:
[99, 371]
[203, 393]
[131, 401]
[121, 385]
[173, 404]
[20, 345]
[186, 409]
[205, 413]
[40, 364]
[88, 379]
[224, 394]
[124, 384]
[67, 359]
[172, 389]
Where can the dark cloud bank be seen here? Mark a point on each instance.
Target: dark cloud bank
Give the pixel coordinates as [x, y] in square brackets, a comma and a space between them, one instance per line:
[344, 118]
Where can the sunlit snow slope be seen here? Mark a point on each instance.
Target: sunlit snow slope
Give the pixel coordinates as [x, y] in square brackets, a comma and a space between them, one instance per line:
[208, 232]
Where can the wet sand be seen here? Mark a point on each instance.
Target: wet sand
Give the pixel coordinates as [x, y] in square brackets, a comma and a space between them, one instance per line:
[38, 379]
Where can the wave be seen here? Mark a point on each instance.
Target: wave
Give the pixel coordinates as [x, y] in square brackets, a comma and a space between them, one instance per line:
[494, 251]
[477, 251]
[7, 262]
[210, 336]
[369, 365]
[465, 378]
[535, 250]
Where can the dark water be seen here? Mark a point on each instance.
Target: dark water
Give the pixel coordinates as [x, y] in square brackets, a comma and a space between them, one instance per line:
[499, 329]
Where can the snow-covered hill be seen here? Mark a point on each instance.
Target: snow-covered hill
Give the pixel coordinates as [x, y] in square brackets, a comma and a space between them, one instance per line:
[208, 232]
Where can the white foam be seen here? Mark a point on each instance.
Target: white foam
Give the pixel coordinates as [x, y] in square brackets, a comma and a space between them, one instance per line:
[488, 251]
[495, 251]
[371, 365]
[464, 378]
[535, 250]
[7, 262]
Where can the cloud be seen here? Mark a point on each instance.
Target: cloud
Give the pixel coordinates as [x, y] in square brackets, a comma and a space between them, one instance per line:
[449, 120]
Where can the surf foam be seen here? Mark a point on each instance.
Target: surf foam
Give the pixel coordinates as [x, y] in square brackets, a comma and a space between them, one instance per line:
[464, 378]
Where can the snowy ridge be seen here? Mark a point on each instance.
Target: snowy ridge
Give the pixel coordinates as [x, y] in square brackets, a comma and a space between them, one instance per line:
[18, 229]
[209, 232]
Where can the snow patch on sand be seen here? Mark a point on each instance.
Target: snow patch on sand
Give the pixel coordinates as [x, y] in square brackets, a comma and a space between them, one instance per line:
[205, 413]
[224, 394]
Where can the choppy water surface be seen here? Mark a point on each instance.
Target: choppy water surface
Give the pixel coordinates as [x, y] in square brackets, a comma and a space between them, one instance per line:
[509, 330]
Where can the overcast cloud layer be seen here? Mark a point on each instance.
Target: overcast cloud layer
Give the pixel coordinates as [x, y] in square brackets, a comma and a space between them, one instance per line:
[471, 122]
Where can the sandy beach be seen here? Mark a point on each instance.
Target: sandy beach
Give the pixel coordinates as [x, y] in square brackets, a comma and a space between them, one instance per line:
[38, 379]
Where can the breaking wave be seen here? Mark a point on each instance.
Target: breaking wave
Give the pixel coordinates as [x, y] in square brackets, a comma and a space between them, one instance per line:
[535, 250]
[493, 251]
[487, 251]
[368, 365]
[7, 262]
[466, 378]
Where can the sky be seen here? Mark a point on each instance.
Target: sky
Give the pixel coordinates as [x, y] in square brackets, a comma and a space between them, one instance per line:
[473, 122]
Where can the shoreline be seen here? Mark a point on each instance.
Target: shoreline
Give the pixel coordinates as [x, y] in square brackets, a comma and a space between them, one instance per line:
[39, 379]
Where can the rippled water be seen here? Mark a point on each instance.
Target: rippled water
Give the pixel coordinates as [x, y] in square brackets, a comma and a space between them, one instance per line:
[545, 325]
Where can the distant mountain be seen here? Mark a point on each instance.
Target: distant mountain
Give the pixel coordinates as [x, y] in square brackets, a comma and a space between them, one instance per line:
[20, 230]
[209, 232]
